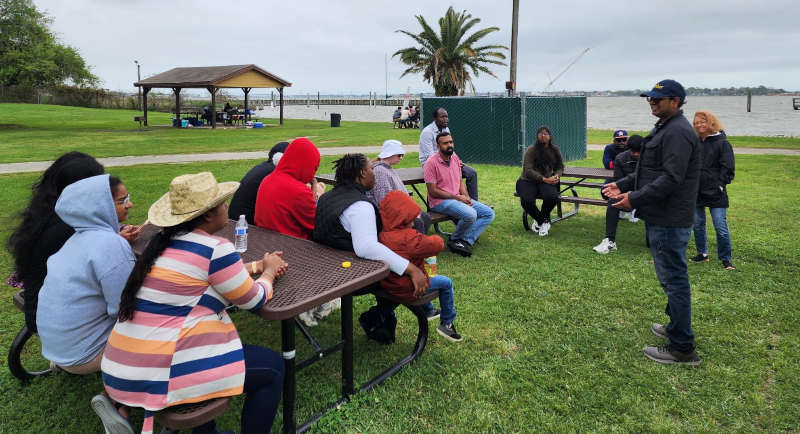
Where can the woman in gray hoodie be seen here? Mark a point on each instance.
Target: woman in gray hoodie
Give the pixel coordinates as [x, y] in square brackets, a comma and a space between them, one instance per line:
[79, 299]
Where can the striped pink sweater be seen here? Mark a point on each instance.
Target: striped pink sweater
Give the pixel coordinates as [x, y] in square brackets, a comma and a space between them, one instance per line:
[181, 346]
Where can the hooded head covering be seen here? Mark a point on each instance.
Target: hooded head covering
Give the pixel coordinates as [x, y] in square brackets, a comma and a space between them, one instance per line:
[398, 210]
[300, 161]
[284, 202]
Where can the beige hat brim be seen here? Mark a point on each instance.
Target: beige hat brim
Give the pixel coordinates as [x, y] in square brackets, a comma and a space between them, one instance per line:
[160, 213]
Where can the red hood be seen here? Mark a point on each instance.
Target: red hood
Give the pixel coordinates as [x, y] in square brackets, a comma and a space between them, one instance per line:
[397, 210]
[300, 161]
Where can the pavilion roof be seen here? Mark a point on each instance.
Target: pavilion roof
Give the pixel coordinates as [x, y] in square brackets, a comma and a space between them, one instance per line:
[218, 76]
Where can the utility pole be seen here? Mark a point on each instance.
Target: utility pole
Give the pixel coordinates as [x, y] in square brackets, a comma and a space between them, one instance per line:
[386, 72]
[139, 79]
[512, 84]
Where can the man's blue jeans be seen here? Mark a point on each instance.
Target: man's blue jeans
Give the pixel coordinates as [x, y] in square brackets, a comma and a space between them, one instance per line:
[718, 217]
[668, 247]
[472, 220]
[444, 285]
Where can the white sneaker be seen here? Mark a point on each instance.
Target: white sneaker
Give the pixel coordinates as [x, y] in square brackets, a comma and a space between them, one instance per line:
[535, 227]
[605, 246]
[624, 215]
[544, 229]
[633, 218]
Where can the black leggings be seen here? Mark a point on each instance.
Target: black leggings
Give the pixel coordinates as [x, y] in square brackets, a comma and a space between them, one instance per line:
[530, 190]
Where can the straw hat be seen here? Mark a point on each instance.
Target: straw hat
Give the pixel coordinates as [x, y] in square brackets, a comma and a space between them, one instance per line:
[189, 196]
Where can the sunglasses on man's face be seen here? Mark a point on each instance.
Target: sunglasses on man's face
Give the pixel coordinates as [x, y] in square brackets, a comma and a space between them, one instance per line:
[623, 140]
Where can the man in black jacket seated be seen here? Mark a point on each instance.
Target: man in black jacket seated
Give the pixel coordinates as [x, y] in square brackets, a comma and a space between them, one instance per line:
[624, 165]
[664, 190]
[244, 200]
[347, 220]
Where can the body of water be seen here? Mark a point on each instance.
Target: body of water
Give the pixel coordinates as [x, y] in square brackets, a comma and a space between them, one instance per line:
[769, 115]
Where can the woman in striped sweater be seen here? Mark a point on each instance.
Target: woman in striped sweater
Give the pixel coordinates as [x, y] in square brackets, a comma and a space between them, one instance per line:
[174, 342]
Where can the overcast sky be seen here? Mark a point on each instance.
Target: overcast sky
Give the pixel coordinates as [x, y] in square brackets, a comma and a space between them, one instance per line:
[339, 46]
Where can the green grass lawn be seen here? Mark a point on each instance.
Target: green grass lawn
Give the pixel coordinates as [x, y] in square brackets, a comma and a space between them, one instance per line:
[553, 332]
[30, 132]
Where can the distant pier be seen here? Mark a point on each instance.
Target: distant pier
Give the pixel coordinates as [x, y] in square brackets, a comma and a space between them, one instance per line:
[391, 102]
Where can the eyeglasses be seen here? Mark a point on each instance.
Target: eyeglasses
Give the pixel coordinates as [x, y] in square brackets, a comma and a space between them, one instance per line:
[543, 133]
[124, 201]
[654, 100]
[622, 140]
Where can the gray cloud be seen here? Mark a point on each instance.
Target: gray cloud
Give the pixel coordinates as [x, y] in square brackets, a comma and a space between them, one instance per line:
[340, 46]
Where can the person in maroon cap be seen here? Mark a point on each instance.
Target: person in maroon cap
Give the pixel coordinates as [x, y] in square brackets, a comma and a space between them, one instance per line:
[611, 151]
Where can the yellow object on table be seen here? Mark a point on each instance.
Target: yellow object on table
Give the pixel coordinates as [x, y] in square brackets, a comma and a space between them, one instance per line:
[346, 264]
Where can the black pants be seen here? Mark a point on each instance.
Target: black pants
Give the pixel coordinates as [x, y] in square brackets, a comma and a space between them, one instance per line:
[422, 223]
[612, 220]
[471, 176]
[530, 190]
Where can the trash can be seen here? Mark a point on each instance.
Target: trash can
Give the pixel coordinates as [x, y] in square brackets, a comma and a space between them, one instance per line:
[336, 119]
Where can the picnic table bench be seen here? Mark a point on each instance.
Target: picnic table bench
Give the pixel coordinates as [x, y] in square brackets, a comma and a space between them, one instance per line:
[577, 177]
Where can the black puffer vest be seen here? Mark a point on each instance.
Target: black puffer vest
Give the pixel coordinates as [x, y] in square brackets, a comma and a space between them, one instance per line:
[327, 228]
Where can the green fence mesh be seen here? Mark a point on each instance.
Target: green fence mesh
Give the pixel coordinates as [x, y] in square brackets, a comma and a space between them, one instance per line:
[497, 130]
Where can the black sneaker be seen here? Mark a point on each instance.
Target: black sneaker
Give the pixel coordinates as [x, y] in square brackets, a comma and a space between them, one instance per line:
[701, 257]
[459, 247]
[728, 266]
[659, 330]
[434, 314]
[449, 332]
[663, 354]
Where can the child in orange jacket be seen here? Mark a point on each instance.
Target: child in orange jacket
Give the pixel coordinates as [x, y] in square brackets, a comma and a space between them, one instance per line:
[398, 212]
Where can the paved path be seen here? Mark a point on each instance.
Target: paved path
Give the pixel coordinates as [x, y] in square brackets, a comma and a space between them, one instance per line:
[39, 166]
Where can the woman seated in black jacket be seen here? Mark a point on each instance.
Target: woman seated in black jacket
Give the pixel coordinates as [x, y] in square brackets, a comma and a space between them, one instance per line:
[542, 167]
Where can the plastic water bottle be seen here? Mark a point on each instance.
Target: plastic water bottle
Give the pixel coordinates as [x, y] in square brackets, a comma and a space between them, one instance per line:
[241, 235]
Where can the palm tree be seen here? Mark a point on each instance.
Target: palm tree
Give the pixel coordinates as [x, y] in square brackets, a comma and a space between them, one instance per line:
[444, 58]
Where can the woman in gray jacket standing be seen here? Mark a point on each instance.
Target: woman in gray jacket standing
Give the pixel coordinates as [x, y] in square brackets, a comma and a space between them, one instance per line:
[716, 172]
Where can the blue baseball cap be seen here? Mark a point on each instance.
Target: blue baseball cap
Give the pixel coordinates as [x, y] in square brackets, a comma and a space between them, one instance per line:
[666, 89]
[619, 134]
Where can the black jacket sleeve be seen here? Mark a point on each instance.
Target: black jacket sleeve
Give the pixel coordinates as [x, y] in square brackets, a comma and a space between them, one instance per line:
[726, 162]
[675, 162]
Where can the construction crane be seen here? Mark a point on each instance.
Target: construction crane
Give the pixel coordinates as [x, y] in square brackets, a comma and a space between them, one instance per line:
[574, 61]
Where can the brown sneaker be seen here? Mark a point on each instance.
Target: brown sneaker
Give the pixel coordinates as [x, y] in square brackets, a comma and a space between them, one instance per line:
[663, 354]
[659, 330]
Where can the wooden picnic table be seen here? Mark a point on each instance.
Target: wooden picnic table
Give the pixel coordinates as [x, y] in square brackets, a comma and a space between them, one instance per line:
[315, 275]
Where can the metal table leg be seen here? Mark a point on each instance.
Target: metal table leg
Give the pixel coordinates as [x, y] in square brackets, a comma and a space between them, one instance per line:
[347, 351]
[288, 351]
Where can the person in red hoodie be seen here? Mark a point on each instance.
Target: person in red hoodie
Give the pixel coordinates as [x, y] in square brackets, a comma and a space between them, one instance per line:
[398, 212]
[285, 203]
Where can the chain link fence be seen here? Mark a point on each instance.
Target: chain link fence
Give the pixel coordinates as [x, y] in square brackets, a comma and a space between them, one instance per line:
[497, 130]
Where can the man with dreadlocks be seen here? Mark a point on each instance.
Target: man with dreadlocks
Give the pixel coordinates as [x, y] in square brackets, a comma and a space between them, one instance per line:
[347, 220]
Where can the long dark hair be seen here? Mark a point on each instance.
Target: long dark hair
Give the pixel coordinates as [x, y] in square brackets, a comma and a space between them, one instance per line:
[37, 216]
[546, 157]
[155, 247]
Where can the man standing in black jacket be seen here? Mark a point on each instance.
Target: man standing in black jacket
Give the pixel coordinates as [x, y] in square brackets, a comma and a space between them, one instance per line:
[664, 190]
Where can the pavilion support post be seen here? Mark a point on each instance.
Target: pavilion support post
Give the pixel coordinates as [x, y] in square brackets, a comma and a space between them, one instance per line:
[246, 91]
[213, 91]
[144, 106]
[177, 91]
[280, 92]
